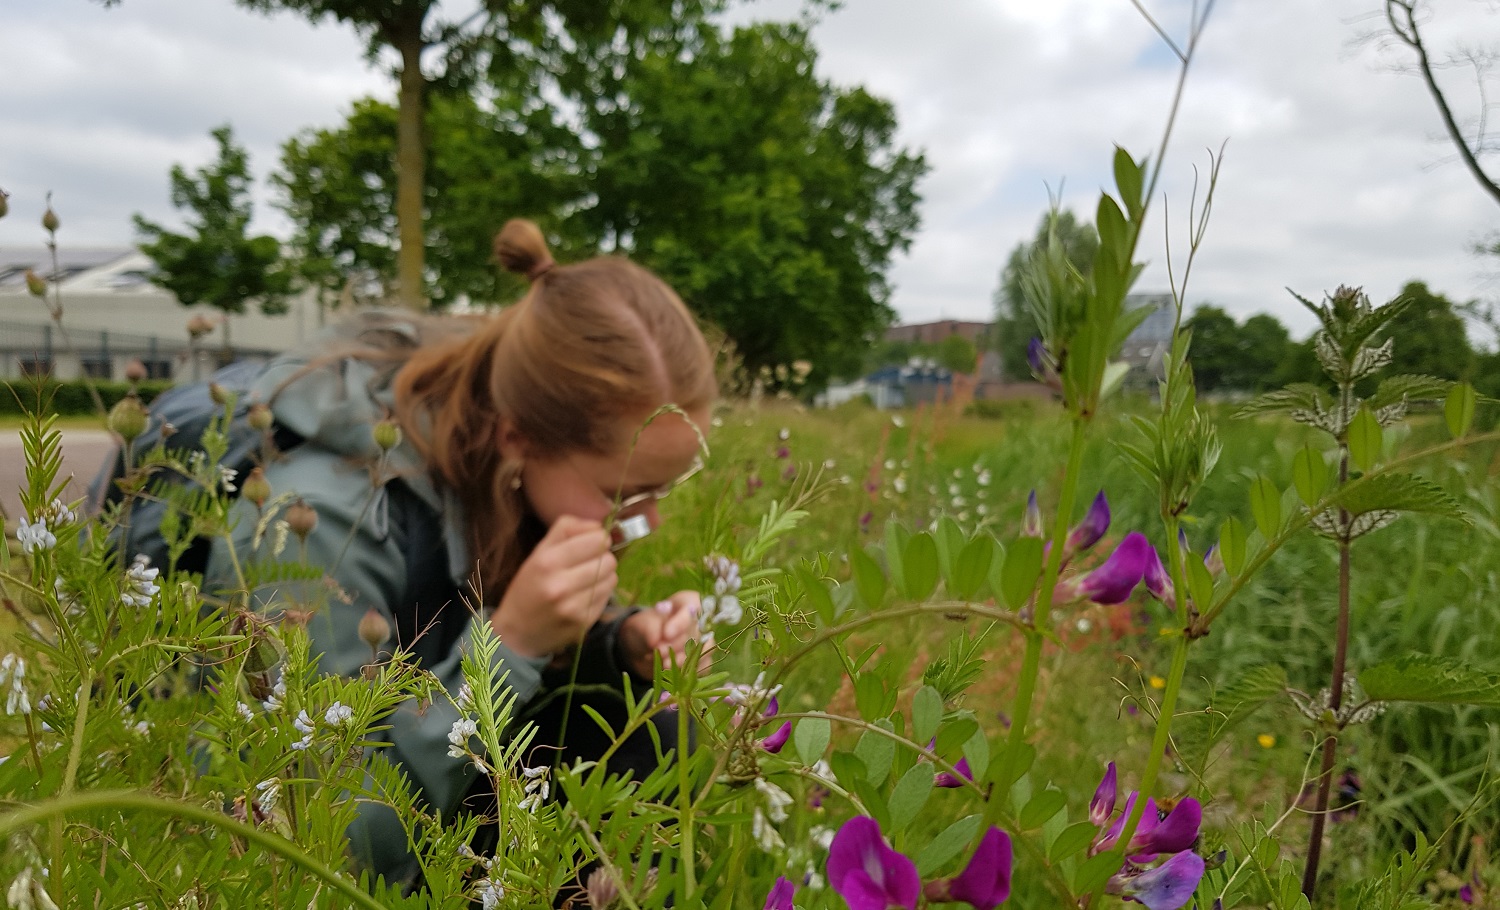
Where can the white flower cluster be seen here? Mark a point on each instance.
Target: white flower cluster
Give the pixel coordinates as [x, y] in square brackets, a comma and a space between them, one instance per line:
[536, 789]
[755, 693]
[13, 671]
[722, 607]
[140, 582]
[304, 724]
[278, 692]
[458, 737]
[34, 536]
[270, 792]
[337, 713]
[490, 894]
[27, 893]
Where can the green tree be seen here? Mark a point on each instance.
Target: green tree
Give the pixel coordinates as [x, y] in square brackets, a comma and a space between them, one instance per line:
[770, 199]
[1430, 336]
[1015, 325]
[217, 262]
[957, 353]
[1265, 346]
[509, 40]
[1215, 350]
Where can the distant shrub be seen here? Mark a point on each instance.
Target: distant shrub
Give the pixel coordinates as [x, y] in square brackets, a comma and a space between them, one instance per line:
[70, 398]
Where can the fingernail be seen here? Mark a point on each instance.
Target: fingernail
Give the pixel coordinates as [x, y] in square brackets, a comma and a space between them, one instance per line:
[664, 607]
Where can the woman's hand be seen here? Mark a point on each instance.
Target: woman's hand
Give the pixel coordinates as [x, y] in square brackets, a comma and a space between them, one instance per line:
[559, 591]
[663, 630]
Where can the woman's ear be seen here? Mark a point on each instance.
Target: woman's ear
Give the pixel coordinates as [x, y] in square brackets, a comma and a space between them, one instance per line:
[511, 443]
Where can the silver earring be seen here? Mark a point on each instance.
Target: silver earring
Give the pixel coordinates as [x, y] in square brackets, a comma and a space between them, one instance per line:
[515, 482]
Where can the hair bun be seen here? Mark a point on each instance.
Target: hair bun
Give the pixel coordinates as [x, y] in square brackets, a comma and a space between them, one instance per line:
[521, 248]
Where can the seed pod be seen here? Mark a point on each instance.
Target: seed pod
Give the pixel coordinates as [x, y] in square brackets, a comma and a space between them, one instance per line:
[374, 629]
[4, 205]
[50, 222]
[199, 326]
[135, 371]
[36, 284]
[259, 418]
[301, 518]
[264, 654]
[256, 488]
[387, 434]
[128, 418]
[218, 394]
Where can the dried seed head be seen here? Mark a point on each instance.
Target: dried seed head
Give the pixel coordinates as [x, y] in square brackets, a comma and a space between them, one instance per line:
[4, 205]
[36, 284]
[387, 435]
[374, 629]
[199, 326]
[301, 518]
[135, 371]
[264, 654]
[218, 394]
[259, 417]
[50, 222]
[256, 488]
[128, 418]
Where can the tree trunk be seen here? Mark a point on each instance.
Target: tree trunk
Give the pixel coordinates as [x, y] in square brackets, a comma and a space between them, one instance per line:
[410, 171]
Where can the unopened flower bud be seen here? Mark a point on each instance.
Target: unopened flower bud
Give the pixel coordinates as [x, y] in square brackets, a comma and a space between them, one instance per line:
[218, 394]
[36, 284]
[256, 488]
[199, 326]
[259, 417]
[50, 222]
[387, 435]
[135, 371]
[128, 418]
[374, 629]
[301, 518]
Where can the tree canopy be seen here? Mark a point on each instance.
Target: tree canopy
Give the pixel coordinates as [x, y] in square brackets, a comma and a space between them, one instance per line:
[217, 262]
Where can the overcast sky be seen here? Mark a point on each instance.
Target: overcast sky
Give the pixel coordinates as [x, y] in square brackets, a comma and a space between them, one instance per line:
[1335, 172]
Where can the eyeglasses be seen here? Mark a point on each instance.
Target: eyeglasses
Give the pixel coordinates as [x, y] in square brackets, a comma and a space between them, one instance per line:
[630, 502]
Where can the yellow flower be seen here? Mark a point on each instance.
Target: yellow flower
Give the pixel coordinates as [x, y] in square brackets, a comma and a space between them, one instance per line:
[1157, 682]
[1266, 740]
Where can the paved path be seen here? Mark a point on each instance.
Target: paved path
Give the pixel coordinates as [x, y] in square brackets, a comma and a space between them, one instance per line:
[83, 452]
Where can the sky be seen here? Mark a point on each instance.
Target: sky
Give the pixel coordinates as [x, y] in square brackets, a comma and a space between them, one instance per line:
[1335, 169]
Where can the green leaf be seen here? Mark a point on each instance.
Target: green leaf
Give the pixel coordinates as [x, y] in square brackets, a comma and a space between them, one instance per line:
[1430, 679]
[896, 536]
[818, 596]
[955, 733]
[1114, 232]
[1073, 839]
[949, 843]
[1310, 474]
[868, 579]
[1398, 493]
[1408, 387]
[1042, 806]
[977, 751]
[950, 540]
[1458, 410]
[1129, 181]
[1200, 581]
[920, 562]
[997, 571]
[1299, 396]
[871, 696]
[1364, 439]
[926, 714]
[972, 568]
[1026, 755]
[1023, 565]
[1095, 871]
[810, 736]
[876, 751]
[1265, 505]
[911, 794]
[1232, 545]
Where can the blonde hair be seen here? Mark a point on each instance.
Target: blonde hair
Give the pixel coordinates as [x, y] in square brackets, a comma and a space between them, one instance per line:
[591, 347]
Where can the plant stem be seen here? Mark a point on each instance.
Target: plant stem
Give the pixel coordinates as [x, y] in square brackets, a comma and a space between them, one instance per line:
[15, 820]
[1031, 662]
[1335, 702]
[685, 815]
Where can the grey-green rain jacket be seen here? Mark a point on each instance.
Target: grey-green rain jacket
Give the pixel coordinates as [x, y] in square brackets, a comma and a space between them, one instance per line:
[395, 544]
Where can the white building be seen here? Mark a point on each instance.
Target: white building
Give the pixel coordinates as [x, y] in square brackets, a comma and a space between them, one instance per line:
[112, 314]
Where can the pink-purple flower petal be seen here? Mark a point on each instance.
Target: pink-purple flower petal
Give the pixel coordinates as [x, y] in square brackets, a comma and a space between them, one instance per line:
[985, 881]
[777, 740]
[952, 781]
[780, 897]
[1174, 834]
[1102, 806]
[1168, 886]
[867, 872]
[1158, 582]
[1113, 581]
[1091, 529]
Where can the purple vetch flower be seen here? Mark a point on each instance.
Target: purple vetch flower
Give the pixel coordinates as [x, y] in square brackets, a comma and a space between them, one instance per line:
[1031, 521]
[864, 521]
[1158, 582]
[1113, 581]
[1043, 364]
[866, 872]
[1111, 837]
[777, 740]
[1173, 834]
[1102, 806]
[985, 882]
[780, 897]
[1088, 531]
[783, 452]
[1213, 560]
[953, 781]
[1168, 886]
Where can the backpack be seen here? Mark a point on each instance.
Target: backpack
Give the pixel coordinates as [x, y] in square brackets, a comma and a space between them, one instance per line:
[189, 409]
